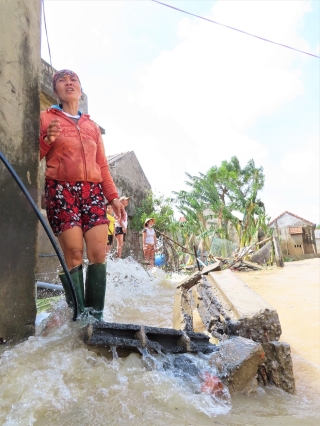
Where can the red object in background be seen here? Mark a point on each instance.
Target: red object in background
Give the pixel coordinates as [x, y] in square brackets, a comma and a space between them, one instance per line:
[212, 385]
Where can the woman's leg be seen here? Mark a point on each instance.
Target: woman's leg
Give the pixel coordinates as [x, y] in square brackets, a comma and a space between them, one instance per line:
[151, 255]
[96, 240]
[71, 242]
[119, 238]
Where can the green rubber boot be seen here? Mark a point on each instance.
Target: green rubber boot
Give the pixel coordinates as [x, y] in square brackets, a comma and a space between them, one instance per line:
[77, 280]
[95, 289]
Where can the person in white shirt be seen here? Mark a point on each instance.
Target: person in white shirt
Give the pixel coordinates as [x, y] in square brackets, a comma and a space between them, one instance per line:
[149, 241]
[121, 227]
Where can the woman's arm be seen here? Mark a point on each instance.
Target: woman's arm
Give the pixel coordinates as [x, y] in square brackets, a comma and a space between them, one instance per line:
[108, 186]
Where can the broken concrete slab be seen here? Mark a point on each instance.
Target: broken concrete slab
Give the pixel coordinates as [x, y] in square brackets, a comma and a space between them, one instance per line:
[262, 255]
[190, 280]
[237, 361]
[127, 338]
[252, 265]
[182, 311]
[207, 305]
[243, 312]
[228, 307]
[216, 266]
[278, 366]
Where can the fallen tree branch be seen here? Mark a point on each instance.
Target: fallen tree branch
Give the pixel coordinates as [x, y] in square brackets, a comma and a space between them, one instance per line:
[175, 242]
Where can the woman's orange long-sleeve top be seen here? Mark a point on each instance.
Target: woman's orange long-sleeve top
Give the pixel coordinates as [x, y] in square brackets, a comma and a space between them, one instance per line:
[77, 154]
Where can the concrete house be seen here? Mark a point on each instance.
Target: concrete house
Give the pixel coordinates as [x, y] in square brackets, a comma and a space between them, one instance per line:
[297, 235]
[129, 178]
[317, 237]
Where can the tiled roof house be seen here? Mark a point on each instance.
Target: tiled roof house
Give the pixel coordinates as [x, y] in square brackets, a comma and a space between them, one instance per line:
[297, 234]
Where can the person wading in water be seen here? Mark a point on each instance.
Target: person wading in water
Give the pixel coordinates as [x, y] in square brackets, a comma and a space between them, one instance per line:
[77, 180]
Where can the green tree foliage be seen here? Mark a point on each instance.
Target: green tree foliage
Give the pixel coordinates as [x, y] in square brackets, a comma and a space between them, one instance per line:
[224, 190]
[192, 205]
[158, 207]
[218, 194]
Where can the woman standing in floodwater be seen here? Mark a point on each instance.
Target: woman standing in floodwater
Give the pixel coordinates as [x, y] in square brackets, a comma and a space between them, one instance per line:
[77, 180]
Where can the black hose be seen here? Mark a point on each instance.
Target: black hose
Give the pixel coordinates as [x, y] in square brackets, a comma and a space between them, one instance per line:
[49, 286]
[46, 228]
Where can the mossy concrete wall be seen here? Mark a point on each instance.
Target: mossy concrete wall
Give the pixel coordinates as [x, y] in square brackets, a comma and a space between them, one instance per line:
[19, 133]
[129, 178]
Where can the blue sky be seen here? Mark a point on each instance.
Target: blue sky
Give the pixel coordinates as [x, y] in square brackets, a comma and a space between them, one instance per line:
[185, 94]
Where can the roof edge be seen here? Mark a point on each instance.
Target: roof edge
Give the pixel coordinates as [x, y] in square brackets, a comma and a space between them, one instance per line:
[292, 214]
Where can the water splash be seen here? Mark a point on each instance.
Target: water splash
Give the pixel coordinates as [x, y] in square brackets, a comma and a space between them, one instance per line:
[56, 380]
[114, 352]
[137, 296]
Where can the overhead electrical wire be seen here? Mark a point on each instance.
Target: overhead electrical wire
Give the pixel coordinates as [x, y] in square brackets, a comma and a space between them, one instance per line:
[235, 29]
[45, 25]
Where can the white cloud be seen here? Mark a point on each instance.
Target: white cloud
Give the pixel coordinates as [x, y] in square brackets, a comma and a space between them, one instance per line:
[293, 184]
[195, 104]
[217, 78]
[216, 83]
[301, 161]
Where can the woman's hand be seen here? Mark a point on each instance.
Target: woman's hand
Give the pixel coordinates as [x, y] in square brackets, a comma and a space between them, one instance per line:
[53, 131]
[119, 210]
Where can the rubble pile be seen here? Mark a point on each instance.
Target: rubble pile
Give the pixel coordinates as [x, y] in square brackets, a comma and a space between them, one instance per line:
[240, 320]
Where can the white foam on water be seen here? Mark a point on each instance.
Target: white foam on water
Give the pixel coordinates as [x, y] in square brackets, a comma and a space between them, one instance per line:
[135, 295]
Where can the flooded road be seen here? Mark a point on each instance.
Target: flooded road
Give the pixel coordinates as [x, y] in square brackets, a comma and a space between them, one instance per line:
[55, 379]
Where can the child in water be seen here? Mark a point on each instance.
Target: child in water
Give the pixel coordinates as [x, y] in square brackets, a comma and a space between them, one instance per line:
[149, 241]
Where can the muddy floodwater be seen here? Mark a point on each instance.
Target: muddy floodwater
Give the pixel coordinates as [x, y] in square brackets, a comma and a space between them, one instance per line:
[55, 380]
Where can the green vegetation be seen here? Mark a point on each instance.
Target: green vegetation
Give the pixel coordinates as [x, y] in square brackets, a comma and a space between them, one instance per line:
[212, 207]
[46, 304]
[158, 207]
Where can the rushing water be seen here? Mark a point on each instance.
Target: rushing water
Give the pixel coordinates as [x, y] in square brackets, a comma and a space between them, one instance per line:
[54, 379]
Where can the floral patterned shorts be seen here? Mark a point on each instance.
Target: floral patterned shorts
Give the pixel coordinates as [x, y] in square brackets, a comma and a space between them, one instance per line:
[72, 204]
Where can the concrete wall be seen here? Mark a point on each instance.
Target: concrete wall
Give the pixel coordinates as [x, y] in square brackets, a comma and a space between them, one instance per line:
[289, 220]
[48, 263]
[295, 244]
[130, 179]
[19, 133]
